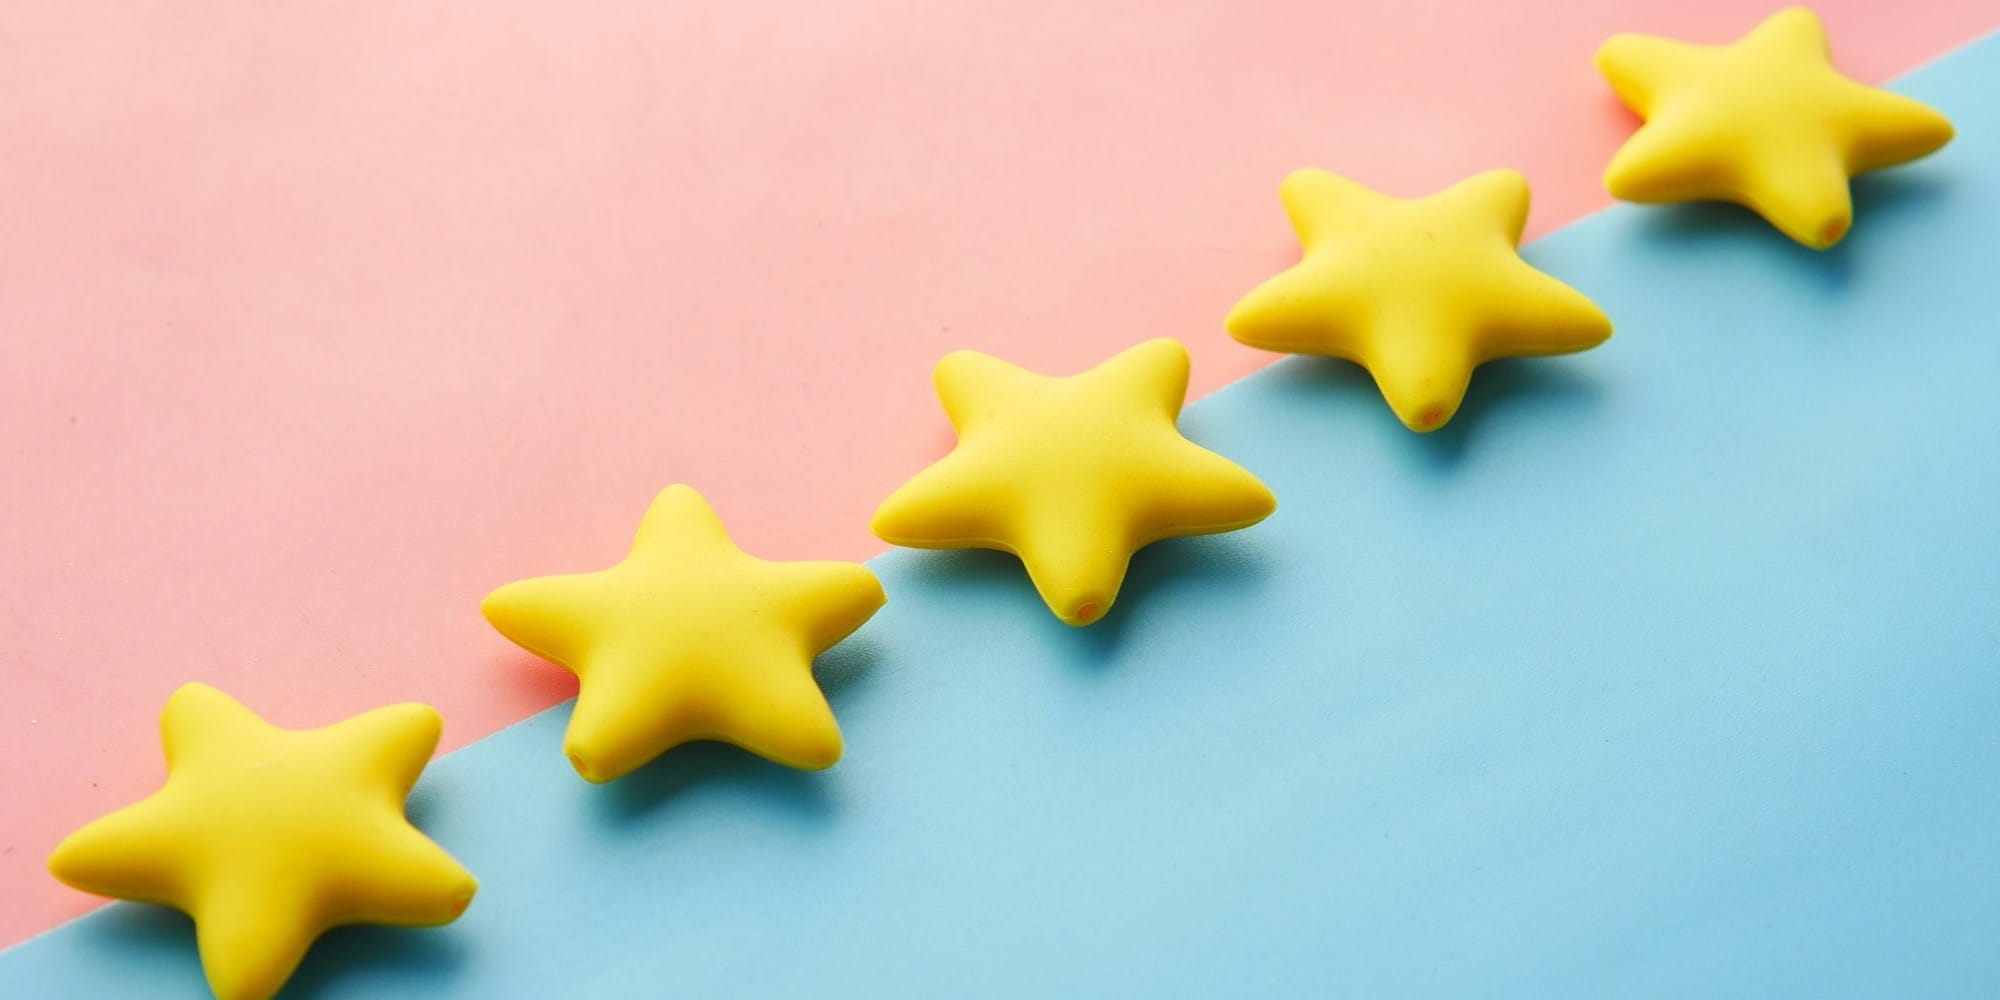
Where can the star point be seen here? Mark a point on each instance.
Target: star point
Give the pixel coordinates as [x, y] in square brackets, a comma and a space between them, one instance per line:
[1765, 122]
[1419, 291]
[1072, 475]
[690, 638]
[268, 837]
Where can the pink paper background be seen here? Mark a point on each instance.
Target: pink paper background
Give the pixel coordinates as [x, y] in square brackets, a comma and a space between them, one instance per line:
[318, 320]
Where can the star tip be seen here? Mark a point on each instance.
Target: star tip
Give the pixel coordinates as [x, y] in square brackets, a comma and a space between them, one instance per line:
[1794, 24]
[497, 604]
[458, 892]
[1267, 504]
[1597, 326]
[962, 371]
[422, 717]
[1619, 182]
[63, 862]
[1242, 322]
[1823, 234]
[1611, 49]
[883, 525]
[1941, 133]
[679, 503]
[1082, 617]
[1165, 356]
[230, 990]
[815, 747]
[196, 696]
[586, 767]
[1507, 190]
[1303, 175]
[1428, 419]
[1084, 612]
[678, 491]
[194, 689]
[1830, 233]
[1233, 322]
[956, 359]
[861, 578]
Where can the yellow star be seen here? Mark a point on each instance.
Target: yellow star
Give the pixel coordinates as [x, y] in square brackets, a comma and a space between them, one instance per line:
[267, 837]
[1418, 291]
[690, 638]
[1765, 122]
[1072, 475]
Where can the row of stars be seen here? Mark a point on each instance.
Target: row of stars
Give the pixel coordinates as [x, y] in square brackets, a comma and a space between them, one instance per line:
[268, 837]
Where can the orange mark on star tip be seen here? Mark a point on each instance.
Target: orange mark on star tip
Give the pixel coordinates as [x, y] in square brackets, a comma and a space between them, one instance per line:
[583, 768]
[1087, 612]
[1431, 418]
[1832, 231]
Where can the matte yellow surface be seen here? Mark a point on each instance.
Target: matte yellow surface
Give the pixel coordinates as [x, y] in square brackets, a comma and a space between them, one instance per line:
[267, 837]
[690, 638]
[1072, 475]
[1419, 291]
[1765, 122]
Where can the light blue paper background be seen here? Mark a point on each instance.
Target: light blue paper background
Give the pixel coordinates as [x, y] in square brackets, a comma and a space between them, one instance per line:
[1670, 669]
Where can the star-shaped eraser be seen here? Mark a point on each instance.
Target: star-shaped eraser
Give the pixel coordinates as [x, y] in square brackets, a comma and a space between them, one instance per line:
[1419, 291]
[690, 638]
[1765, 122]
[267, 837]
[1072, 475]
